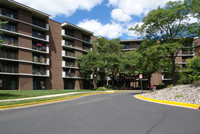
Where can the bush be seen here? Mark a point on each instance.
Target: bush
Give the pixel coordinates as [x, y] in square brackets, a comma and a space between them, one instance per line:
[101, 89]
[170, 86]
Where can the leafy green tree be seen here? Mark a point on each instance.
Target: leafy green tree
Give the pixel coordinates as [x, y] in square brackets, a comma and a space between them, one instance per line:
[169, 29]
[89, 64]
[193, 69]
[110, 53]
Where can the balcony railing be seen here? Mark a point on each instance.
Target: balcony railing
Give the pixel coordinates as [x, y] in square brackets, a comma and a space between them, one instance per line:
[38, 35]
[70, 64]
[85, 47]
[9, 55]
[10, 41]
[8, 13]
[39, 59]
[69, 33]
[38, 46]
[9, 69]
[87, 39]
[187, 52]
[70, 54]
[9, 27]
[70, 44]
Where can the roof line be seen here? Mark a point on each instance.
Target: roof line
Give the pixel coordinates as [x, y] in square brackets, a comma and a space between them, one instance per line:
[67, 23]
[28, 7]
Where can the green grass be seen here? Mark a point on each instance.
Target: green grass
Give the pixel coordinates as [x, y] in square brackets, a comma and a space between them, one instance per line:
[15, 94]
[38, 100]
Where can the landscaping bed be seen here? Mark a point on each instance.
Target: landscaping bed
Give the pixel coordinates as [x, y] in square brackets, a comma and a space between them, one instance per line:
[181, 93]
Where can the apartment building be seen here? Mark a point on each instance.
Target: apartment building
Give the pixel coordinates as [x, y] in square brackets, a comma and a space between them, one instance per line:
[24, 54]
[186, 53]
[75, 42]
[39, 53]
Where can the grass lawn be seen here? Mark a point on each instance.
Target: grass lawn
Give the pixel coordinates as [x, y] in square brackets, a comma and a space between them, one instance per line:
[39, 100]
[14, 94]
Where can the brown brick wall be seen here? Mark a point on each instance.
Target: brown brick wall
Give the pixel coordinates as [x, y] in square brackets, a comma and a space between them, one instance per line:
[55, 81]
[78, 34]
[156, 79]
[25, 42]
[78, 44]
[178, 59]
[77, 53]
[133, 45]
[24, 29]
[25, 68]
[24, 15]
[24, 55]
[25, 83]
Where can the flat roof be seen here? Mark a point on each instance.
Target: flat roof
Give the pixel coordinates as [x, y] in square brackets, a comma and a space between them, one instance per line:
[15, 4]
[67, 24]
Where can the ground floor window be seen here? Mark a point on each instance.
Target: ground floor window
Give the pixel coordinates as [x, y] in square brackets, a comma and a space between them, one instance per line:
[8, 83]
[69, 84]
[39, 84]
[1, 83]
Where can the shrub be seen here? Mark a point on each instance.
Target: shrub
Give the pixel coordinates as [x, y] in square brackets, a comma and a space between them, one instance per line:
[170, 86]
[101, 89]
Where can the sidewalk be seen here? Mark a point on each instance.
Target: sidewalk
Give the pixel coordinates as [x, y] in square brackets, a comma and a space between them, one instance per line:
[45, 96]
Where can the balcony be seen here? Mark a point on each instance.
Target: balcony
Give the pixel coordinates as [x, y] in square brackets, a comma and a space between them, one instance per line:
[187, 53]
[8, 69]
[67, 43]
[87, 39]
[8, 13]
[40, 71]
[39, 47]
[40, 59]
[86, 47]
[68, 54]
[9, 27]
[38, 35]
[8, 55]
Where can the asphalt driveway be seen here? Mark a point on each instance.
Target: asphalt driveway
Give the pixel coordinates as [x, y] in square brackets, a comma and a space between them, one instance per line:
[118, 113]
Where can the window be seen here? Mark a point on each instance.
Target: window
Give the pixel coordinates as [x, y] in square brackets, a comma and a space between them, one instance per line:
[127, 46]
[1, 83]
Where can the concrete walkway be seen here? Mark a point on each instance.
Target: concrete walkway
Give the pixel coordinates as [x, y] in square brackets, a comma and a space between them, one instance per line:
[45, 96]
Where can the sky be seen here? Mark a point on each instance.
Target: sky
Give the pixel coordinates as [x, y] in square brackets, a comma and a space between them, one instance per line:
[108, 18]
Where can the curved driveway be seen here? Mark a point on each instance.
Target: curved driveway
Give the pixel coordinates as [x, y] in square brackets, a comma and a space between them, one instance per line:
[118, 113]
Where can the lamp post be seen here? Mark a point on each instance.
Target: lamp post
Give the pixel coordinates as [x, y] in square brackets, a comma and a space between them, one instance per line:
[140, 77]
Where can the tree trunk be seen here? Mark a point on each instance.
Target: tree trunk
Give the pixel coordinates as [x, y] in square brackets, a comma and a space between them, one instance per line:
[94, 80]
[173, 72]
[149, 79]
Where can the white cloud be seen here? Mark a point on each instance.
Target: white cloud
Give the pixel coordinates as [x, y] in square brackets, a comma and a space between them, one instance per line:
[110, 30]
[57, 7]
[120, 15]
[136, 7]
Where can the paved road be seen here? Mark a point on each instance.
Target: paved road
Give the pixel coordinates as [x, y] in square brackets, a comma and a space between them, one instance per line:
[118, 113]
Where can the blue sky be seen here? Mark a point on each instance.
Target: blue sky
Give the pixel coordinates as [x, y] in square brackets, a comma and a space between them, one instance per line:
[108, 18]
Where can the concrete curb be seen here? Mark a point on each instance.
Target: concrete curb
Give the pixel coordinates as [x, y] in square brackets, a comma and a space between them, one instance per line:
[24, 105]
[172, 103]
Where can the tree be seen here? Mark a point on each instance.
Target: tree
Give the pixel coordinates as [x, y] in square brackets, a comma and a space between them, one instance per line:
[169, 29]
[151, 60]
[110, 51]
[89, 64]
[193, 69]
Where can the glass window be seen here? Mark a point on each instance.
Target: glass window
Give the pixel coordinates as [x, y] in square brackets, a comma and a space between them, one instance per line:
[1, 83]
[127, 46]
